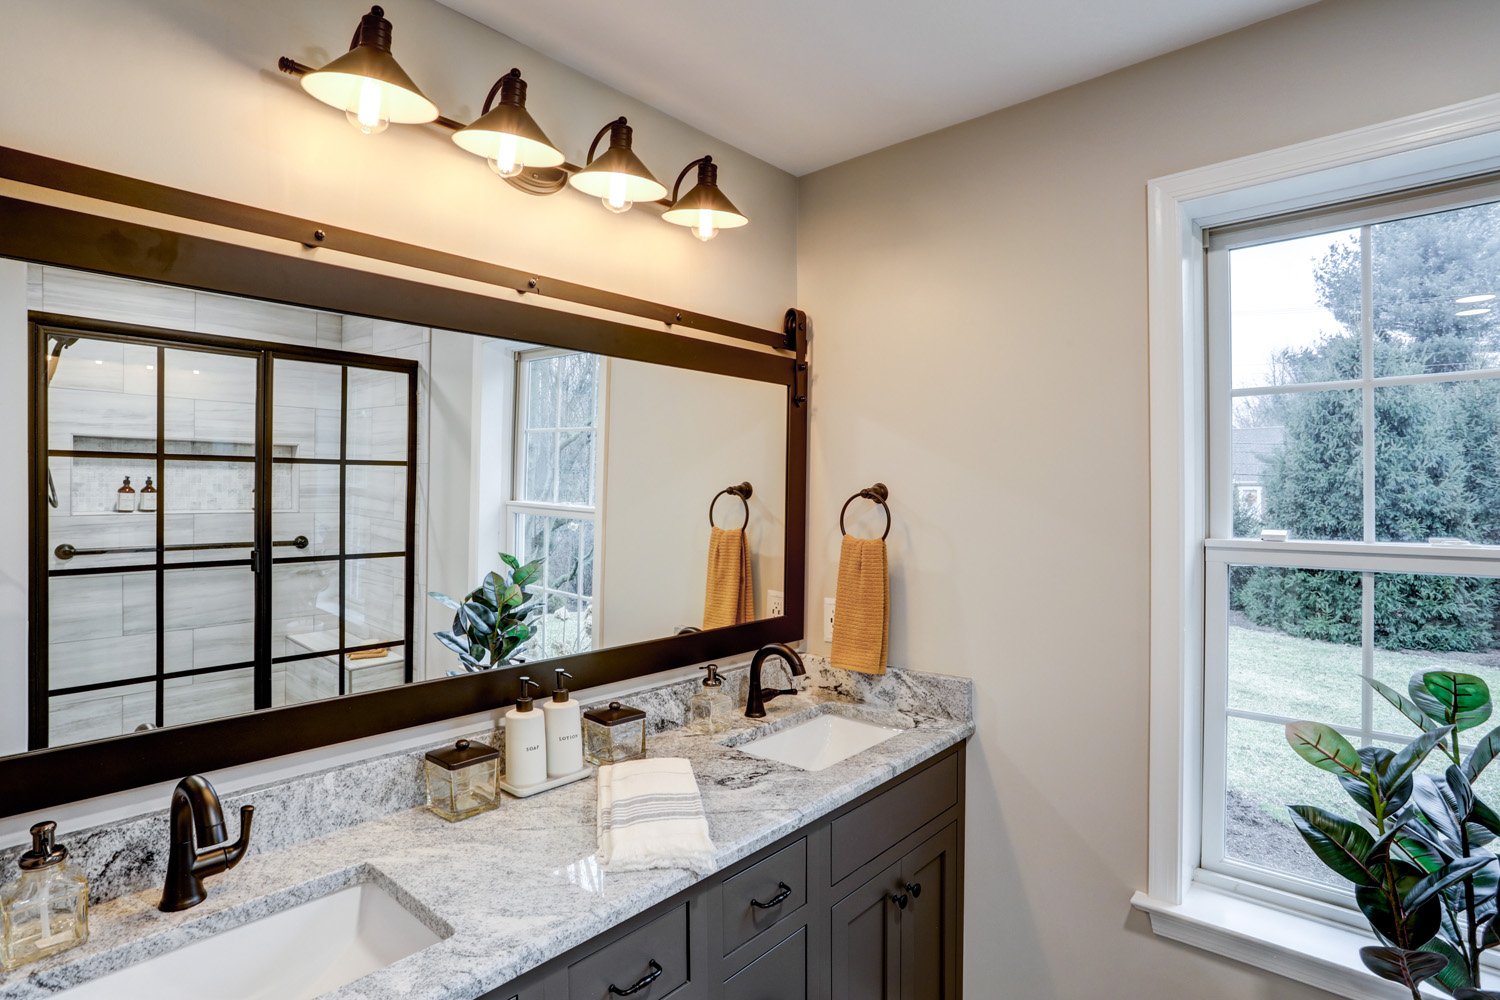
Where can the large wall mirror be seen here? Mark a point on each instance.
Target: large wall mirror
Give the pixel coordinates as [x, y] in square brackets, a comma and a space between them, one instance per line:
[243, 493]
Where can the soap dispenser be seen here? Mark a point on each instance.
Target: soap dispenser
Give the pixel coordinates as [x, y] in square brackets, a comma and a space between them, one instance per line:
[525, 740]
[709, 710]
[564, 720]
[47, 911]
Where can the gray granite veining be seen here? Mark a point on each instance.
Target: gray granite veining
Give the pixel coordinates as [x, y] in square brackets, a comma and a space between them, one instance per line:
[510, 889]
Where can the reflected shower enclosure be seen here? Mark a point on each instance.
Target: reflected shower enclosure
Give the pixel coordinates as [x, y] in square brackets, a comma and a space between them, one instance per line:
[268, 560]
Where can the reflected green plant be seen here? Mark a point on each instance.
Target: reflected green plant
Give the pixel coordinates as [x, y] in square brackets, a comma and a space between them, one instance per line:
[1416, 856]
[493, 620]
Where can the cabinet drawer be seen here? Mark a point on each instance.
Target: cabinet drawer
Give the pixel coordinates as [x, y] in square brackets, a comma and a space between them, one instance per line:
[780, 880]
[628, 960]
[779, 974]
[861, 835]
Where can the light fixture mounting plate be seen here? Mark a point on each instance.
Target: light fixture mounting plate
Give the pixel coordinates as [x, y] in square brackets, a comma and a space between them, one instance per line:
[539, 180]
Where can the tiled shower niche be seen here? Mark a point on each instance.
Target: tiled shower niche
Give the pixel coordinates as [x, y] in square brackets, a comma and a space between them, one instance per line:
[103, 407]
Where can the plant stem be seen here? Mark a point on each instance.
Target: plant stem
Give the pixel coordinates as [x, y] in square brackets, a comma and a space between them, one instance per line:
[1473, 952]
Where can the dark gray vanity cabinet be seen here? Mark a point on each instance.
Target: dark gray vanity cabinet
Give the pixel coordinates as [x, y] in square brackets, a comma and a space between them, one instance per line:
[862, 904]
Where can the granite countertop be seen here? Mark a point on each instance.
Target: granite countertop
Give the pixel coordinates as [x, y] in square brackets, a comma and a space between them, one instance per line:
[515, 887]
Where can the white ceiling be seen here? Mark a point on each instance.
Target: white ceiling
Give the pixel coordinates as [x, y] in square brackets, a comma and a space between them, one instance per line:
[807, 83]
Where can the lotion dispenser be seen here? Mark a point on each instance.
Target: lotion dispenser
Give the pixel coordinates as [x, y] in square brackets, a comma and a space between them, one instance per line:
[525, 740]
[564, 720]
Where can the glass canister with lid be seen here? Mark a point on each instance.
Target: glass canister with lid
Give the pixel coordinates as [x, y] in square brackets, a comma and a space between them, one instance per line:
[613, 734]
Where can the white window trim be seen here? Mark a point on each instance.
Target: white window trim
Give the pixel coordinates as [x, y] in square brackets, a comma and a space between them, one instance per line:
[595, 514]
[1287, 935]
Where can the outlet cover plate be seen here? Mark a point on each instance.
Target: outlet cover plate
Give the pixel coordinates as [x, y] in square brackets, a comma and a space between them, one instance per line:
[775, 604]
[827, 619]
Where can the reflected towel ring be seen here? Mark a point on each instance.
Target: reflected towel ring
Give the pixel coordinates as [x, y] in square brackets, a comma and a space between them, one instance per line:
[879, 493]
[743, 491]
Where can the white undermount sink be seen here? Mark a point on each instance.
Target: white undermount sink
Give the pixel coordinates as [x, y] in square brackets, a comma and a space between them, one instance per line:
[820, 742]
[296, 954]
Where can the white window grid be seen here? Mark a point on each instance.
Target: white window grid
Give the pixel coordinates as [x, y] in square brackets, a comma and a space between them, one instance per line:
[1367, 557]
[592, 514]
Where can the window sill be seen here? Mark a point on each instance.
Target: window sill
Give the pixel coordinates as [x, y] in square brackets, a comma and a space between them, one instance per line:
[1300, 947]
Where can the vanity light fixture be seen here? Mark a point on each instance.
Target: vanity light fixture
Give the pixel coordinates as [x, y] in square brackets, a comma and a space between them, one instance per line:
[367, 83]
[704, 209]
[507, 136]
[618, 177]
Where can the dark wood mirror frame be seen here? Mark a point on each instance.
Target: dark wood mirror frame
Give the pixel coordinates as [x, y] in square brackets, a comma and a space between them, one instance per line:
[43, 234]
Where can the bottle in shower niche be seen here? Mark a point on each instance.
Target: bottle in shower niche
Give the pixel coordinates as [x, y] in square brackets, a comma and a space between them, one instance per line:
[525, 740]
[47, 911]
[564, 720]
[146, 503]
[125, 498]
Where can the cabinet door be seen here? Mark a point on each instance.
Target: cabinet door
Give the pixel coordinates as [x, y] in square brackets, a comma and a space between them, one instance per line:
[779, 974]
[865, 945]
[929, 923]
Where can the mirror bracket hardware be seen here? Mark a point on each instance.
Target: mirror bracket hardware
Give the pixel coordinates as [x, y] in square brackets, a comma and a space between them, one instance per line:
[795, 328]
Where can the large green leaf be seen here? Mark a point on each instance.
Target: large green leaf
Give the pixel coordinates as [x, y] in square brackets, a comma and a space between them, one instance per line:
[510, 560]
[512, 597]
[1340, 844]
[1439, 808]
[1433, 883]
[1409, 968]
[521, 577]
[1456, 976]
[1406, 708]
[1485, 816]
[1452, 698]
[1469, 993]
[452, 642]
[443, 599]
[1410, 757]
[1416, 926]
[1424, 853]
[1484, 752]
[1322, 747]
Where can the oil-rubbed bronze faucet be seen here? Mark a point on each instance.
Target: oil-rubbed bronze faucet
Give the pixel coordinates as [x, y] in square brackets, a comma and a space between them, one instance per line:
[756, 697]
[195, 806]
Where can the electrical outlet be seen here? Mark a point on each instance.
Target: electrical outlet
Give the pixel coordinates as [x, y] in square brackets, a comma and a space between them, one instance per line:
[775, 604]
[827, 619]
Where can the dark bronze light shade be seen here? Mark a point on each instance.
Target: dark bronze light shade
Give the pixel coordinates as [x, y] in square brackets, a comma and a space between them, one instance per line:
[367, 83]
[507, 135]
[617, 177]
[704, 209]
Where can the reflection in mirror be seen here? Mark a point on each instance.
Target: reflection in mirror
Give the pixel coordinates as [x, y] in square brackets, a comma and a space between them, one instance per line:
[204, 557]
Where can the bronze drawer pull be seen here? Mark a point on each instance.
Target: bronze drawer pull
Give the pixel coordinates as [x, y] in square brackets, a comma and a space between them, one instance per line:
[775, 900]
[645, 981]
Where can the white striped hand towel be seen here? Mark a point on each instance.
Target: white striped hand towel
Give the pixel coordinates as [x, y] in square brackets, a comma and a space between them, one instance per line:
[650, 816]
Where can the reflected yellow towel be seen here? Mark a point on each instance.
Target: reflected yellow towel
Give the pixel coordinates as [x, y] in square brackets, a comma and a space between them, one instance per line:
[862, 607]
[728, 599]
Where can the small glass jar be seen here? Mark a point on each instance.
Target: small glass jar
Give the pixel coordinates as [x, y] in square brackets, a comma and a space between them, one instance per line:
[461, 781]
[47, 911]
[613, 734]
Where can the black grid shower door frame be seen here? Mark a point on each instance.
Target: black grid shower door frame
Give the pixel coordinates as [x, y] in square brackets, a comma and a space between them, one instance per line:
[44, 327]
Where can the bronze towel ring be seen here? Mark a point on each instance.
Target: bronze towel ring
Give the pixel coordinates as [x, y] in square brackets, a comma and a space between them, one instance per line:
[879, 493]
[743, 491]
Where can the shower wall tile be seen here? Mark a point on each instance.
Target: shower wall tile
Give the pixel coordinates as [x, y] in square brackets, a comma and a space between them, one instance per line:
[139, 600]
[254, 320]
[219, 421]
[93, 661]
[199, 598]
[35, 297]
[84, 607]
[209, 696]
[84, 412]
[91, 364]
[330, 331]
[78, 718]
[97, 296]
[297, 427]
[100, 531]
[216, 645]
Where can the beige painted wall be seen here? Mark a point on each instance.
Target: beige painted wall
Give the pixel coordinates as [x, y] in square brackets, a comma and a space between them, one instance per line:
[979, 307]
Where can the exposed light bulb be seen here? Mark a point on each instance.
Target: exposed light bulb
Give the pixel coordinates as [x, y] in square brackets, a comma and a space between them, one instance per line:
[368, 113]
[504, 161]
[704, 229]
[615, 200]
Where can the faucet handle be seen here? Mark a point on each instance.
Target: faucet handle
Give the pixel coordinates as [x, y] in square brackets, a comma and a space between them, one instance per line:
[236, 851]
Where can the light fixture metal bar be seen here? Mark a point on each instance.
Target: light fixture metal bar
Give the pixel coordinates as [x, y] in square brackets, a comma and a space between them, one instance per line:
[60, 175]
[545, 180]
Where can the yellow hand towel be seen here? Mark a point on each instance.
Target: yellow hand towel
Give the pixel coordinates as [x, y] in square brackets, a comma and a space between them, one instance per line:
[728, 599]
[862, 608]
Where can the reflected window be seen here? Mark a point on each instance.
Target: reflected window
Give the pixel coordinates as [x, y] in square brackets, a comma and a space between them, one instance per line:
[555, 509]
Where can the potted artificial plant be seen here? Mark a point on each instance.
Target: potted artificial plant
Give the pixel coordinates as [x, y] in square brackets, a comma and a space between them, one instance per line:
[492, 621]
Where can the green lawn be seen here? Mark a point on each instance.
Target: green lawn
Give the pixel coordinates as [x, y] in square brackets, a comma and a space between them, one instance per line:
[1279, 674]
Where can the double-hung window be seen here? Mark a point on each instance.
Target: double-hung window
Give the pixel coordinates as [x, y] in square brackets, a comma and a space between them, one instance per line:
[1353, 403]
[554, 514]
